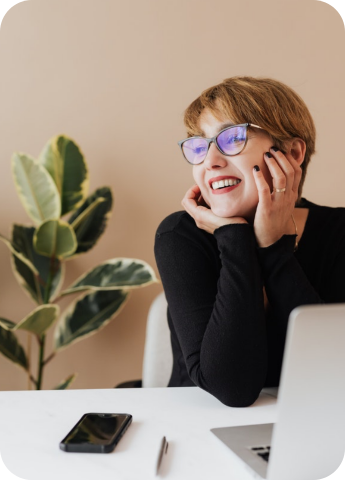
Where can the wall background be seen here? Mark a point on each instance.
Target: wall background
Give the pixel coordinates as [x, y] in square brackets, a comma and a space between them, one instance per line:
[116, 77]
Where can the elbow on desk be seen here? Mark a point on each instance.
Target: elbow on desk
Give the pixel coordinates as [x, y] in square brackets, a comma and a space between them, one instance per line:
[235, 395]
[237, 392]
[231, 387]
[238, 400]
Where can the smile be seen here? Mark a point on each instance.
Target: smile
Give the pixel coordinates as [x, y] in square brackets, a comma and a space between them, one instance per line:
[225, 183]
[221, 185]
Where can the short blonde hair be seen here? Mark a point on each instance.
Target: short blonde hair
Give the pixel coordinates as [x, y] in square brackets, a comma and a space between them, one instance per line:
[261, 101]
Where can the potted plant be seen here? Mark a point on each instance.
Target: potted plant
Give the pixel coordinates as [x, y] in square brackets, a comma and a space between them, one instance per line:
[51, 187]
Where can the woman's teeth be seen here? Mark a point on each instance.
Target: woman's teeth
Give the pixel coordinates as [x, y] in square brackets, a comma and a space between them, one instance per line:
[225, 183]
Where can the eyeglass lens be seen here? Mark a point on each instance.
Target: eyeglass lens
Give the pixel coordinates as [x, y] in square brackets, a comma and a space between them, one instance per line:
[230, 141]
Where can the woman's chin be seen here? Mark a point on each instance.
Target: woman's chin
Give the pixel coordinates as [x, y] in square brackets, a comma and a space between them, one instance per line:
[224, 212]
[230, 213]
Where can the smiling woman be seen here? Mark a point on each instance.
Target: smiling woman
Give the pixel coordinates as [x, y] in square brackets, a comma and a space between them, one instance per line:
[241, 256]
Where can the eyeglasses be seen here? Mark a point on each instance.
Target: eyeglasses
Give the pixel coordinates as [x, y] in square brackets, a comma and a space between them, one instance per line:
[230, 141]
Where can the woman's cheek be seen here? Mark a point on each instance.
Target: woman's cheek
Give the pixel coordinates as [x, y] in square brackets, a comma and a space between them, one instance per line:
[205, 196]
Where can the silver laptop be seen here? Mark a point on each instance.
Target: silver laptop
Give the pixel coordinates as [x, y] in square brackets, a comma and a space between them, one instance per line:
[308, 440]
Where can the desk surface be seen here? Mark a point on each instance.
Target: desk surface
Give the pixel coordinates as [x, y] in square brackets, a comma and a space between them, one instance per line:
[33, 423]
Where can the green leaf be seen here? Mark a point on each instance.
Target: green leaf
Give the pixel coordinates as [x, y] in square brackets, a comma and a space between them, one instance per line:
[11, 348]
[80, 220]
[63, 159]
[22, 240]
[87, 315]
[19, 255]
[90, 220]
[66, 383]
[55, 238]
[39, 320]
[7, 324]
[115, 274]
[36, 189]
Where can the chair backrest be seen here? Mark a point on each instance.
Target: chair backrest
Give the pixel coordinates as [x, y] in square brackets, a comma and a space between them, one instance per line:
[158, 360]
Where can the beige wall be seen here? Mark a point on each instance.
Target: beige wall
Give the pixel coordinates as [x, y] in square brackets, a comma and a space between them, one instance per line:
[99, 70]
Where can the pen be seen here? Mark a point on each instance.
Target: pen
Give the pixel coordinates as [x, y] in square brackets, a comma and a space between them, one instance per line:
[162, 450]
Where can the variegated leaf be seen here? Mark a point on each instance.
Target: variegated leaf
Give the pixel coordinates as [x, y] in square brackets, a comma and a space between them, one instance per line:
[36, 189]
[115, 274]
[66, 383]
[39, 320]
[11, 348]
[87, 315]
[63, 159]
[35, 285]
[19, 255]
[55, 238]
[90, 220]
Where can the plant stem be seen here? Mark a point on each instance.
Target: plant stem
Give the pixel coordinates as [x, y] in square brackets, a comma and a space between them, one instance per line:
[49, 280]
[40, 363]
[38, 282]
[42, 338]
[51, 356]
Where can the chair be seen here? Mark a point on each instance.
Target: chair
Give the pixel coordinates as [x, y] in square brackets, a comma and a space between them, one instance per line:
[158, 359]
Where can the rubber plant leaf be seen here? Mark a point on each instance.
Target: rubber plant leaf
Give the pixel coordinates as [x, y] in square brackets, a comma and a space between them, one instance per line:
[90, 220]
[36, 189]
[10, 347]
[34, 285]
[38, 321]
[55, 238]
[87, 315]
[65, 383]
[65, 163]
[115, 274]
[19, 255]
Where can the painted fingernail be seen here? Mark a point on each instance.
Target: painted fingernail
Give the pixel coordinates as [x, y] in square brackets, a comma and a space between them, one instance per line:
[256, 168]
[268, 154]
[275, 149]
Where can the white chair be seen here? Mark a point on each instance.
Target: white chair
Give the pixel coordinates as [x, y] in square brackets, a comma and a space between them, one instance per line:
[158, 359]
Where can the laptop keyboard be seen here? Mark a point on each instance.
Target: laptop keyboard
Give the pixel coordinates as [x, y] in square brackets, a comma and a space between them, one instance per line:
[262, 451]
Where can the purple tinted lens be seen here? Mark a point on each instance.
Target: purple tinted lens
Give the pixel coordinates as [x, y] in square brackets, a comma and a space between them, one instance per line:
[195, 150]
[232, 140]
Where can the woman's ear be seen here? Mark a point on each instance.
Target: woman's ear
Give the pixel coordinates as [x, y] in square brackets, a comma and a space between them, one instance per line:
[297, 148]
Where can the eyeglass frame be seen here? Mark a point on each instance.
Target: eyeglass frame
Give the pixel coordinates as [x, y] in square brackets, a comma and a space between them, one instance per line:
[214, 140]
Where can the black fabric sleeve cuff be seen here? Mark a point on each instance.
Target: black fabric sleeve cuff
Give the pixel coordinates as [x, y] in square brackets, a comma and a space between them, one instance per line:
[235, 230]
[276, 253]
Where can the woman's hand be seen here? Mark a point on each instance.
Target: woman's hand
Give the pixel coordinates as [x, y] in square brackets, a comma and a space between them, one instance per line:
[273, 214]
[204, 218]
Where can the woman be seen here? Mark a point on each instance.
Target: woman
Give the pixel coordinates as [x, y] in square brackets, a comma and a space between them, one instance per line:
[247, 249]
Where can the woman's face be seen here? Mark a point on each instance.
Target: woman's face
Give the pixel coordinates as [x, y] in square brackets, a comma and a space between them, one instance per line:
[242, 200]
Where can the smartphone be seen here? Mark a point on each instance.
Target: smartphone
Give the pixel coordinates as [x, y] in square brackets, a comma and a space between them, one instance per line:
[96, 433]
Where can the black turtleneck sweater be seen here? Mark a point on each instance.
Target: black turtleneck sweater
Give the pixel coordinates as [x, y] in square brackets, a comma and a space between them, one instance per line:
[222, 338]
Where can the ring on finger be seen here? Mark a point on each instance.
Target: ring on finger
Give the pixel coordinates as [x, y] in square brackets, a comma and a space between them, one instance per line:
[280, 190]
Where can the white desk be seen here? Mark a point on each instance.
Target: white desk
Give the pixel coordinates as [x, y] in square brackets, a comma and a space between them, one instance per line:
[33, 423]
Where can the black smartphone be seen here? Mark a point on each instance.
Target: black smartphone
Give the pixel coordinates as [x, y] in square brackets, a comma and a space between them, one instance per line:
[96, 433]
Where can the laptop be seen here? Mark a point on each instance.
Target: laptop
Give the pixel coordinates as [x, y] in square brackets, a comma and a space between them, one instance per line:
[308, 440]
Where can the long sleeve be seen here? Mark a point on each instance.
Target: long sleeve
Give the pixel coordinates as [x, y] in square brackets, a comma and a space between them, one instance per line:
[321, 253]
[286, 284]
[218, 313]
[222, 339]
